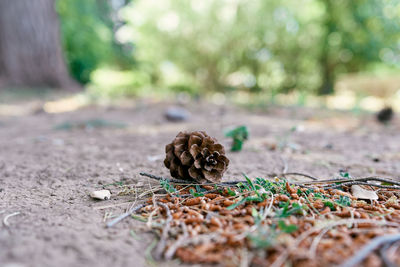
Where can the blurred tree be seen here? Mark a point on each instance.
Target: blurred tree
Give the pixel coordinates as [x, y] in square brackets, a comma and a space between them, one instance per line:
[88, 36]
[261, 45]
[357, 33]
[30, 49]
[227, 45]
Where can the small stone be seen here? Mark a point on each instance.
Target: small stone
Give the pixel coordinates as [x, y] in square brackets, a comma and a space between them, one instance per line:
[376, 159]
[177, 114]
[329, 146]
[385, 115]
[101, 194]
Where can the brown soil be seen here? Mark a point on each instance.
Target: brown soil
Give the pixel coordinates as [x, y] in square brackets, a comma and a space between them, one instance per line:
[46, 174]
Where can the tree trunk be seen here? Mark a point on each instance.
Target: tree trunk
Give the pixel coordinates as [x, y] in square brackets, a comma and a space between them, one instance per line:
[30, 48]
[325, 60]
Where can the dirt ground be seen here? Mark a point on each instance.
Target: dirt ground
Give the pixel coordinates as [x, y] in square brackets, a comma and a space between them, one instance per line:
[46, 174]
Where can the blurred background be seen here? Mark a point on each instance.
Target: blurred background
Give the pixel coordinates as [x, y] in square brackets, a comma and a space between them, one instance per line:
[91, 91]
[326, 53]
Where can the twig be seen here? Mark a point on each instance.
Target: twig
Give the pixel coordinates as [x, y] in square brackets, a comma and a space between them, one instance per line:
[268, 210]
[383, 253]
[311, 205]
[159, 178]
[124, 215]
[5, 220]
[134, 202]
[179, 181]
[300, 174]
[361, 183]
[392, 251]
[314, 244]
[372, 178]
[204, 193]
[227, 183]
[149, 222]
[367, 249]
[108, 215]
[150, 191]
[255, 226]
[363, 179]
[148, 251]
[162, 243]
[344, 182]
[282, 258]
[285, 165]
[111, 205]
[204, 239]
[179, 242]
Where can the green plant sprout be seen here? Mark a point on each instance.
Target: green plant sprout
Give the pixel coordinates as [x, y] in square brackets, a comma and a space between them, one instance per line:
[238, 135]
[343, 201]
[168, 187]
[195, 193]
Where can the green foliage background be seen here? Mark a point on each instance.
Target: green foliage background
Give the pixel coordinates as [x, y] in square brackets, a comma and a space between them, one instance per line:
[88, 37]
[256, 46]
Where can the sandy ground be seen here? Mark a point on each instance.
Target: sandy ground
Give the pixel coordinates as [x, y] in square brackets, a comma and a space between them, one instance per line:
[46, 174]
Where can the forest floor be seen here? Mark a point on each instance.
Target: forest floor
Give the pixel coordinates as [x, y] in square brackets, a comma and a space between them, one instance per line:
[46, 174]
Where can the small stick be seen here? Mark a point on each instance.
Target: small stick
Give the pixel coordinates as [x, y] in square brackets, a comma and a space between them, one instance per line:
[162, 244]
[354, 181]
[149, 222]
[383, 253]
[361, 183]
[391, 253]
[203, 239]
[264, 216]
[5, 220]
[179, 242]
[300, 174]
[227, 183]
[282, 258]
[285, 165]
[124, 215]
[367, 249]
[179, 181]
[111, 205]
[204, 193]
[314, 245]
[159, 178]
[363, 179]
[134, 202]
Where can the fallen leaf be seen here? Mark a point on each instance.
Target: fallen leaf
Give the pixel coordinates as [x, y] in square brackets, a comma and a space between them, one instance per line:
[362, 193]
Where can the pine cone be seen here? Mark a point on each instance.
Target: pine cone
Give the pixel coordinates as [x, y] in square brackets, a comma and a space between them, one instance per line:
[196, 156]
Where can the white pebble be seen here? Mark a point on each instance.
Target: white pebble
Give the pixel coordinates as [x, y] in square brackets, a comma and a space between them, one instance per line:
[101, 194]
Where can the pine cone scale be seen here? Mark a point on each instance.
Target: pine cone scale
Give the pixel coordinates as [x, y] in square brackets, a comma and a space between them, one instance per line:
[213, 176]
[224, 159]
[194, 172]
[196, 156]
[219, 147]
[208, 167]
[197, 164]
[194, 150]
[178, 149]
[220, 166]
[208, 141]
[182, 171]
[194, 139]
[186, 158]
